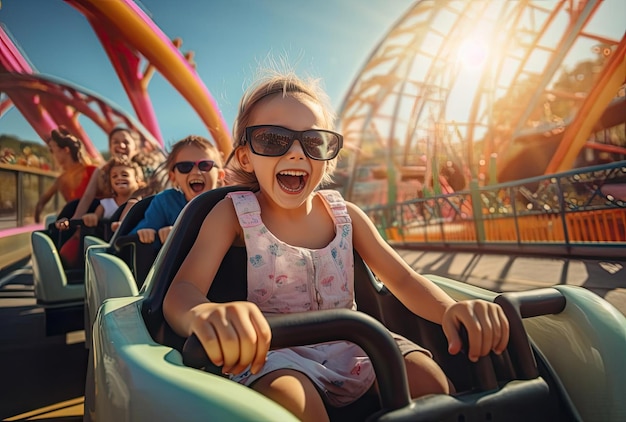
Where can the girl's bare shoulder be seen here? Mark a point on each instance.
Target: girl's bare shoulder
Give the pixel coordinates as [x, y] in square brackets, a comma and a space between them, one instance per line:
[222, 221]
[224, 207]
[355, 211]
[223, 213]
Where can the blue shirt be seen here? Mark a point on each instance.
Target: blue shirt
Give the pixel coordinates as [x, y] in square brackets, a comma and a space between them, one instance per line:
[162, 211]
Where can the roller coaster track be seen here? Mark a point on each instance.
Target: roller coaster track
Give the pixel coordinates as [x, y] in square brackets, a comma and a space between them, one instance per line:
[54, 97]
[401, 104]
[131, 41]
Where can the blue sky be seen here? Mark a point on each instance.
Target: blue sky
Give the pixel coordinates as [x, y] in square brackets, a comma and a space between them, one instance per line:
[329, 39]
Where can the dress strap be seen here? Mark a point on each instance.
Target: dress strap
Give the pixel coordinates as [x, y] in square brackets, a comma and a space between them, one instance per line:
[336, 205]
[247, 208]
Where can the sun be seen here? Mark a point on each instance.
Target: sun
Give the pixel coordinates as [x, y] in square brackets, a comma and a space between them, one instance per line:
[472, 53]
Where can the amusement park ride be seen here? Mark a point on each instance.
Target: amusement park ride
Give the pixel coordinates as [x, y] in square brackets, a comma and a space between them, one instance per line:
[401, 99]
[536, 161]
[131, 41]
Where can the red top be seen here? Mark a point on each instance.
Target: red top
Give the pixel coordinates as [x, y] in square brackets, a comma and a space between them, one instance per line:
[75, 184]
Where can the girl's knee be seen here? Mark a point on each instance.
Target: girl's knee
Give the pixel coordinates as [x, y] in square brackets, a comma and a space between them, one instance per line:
[425, 375]
[294, 391]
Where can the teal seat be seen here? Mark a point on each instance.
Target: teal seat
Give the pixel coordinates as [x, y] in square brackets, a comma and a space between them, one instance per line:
[107, 276]
[61, 293]
[112, 272]
[52, 285]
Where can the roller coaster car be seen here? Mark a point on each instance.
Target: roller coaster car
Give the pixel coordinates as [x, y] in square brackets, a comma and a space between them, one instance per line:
[59, 291]
[134, 259]
[565, 359]
[138, 256]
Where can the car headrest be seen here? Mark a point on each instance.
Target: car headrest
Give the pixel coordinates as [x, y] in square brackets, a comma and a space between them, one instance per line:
[132, 218]
[68, 209]
[174, 251]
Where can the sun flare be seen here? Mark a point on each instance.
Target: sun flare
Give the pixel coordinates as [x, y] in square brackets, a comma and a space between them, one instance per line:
[473, 53]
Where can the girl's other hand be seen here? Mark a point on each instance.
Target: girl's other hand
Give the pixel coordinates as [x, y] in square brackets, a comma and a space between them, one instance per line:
[487, 328]
[164, 232]
[146, 235]
[62, 224]
[234, 335]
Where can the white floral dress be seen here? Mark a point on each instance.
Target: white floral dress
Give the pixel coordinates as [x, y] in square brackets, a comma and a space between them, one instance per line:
[285, 279]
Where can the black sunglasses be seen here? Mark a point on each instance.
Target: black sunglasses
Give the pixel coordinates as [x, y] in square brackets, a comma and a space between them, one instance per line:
[185, 167]
[274, 141]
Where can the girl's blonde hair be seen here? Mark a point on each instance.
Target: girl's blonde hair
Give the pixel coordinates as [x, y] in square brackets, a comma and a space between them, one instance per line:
[286, 84]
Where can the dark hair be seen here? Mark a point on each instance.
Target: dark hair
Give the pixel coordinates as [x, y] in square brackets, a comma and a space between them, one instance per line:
[121, 129]
[64, 139]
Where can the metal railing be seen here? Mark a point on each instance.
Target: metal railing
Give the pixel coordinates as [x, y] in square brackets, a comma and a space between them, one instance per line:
[20, 189]
[579, 212]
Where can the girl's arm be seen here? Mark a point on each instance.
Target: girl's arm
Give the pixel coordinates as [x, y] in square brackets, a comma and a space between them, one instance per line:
[234, 334]
[486, 324]
[45, 198]
[416, 292]
[88, 196]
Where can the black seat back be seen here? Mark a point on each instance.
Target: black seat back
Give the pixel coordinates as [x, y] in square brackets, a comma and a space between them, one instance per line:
[107, 232]
[138, 256]
[229, 283]
[59, 237]
[133, 217]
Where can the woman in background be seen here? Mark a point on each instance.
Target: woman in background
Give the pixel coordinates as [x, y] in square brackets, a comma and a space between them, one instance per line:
[75, 172]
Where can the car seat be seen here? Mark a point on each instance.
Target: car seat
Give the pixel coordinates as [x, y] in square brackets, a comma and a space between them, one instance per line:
[59, 292]
[138, 256]
[102, 280]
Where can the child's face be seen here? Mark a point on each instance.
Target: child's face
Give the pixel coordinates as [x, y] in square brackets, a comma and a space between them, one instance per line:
[196, 181]
[287, 180]
[122, 144]
[123, 180]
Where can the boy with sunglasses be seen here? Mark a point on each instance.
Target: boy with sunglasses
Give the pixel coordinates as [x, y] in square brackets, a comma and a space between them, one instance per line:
[194, 166]
[299, 243]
